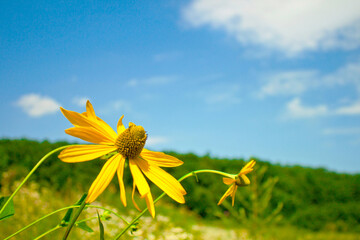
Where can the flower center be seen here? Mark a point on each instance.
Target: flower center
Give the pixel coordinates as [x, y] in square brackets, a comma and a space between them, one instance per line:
[241, 180]
[131, 142]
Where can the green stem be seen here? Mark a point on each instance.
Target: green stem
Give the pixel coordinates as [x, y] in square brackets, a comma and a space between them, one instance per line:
[47, 232]
[116, 214]
[59, 210]
[73, 219]
[30, 173]
[193, 173]
[38, 220]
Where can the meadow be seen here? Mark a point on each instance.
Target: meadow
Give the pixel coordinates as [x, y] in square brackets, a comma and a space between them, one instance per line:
[282, 202]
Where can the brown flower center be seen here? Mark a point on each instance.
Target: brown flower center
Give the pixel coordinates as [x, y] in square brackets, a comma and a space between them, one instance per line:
[131, 142]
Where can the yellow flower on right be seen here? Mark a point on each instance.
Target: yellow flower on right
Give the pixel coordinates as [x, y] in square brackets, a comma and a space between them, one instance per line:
[239, 180]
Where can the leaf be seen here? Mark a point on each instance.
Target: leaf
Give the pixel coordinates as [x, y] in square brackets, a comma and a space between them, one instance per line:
[84, 226]
[101, 226]
[66, 219]
[9, 209]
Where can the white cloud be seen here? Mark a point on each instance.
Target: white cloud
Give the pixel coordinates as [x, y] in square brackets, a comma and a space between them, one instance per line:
[341, 131]
[156, 140]
[295, 109]
[152, 81]
[167, 56]
[288, 83]
[117, 106]
[36, 105]
[80, 101]
[352, 109]
[291, 26]
[222, 94]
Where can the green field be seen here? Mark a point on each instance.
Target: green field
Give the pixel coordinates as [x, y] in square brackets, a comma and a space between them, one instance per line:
[282, 202]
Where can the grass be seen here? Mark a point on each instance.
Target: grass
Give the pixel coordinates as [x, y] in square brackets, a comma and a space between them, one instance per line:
[171, 222]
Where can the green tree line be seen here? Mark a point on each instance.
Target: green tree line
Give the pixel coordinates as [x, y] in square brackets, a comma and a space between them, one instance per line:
[305, 197]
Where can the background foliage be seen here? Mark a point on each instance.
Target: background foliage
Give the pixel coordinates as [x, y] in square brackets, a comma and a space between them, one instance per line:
[315, 199]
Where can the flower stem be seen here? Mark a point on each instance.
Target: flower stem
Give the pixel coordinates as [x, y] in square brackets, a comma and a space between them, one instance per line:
[47, 232]
[38, 220]
[30, 173]
[59, 210]
[73, 219]
[193, 173]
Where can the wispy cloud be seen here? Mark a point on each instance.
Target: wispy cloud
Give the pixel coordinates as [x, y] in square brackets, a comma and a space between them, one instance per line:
[80, 101]
[288, 83]
[290, 26]
[119, 106]
[342, 131]
[298, 82]
[36, 105]
[167, 56]
[353, 109]
[222, 94]
[156, 140]
[152, 81]
[295, 109]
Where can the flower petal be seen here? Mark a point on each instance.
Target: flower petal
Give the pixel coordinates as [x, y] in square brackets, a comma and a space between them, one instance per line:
[83, 120]
[163, 180]
[226, 194]
[132, 197]
[104, 178]
[247, 168]
[90, 111]
[92, 135]
[120, 174]
[160, 159]
[233, 194]
[150, 204]
[228, 181]
[139, 178]
[82, 153]
[120, 125]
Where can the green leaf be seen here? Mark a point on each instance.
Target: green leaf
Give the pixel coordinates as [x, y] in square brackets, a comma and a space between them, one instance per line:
[9, 209]
[84, 226]
[66, 219]
[101, 226]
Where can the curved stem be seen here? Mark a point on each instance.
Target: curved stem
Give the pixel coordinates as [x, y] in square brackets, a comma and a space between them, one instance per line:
[73, 219]
[59, 210]
[47, 232]
[58, 226]
[30, 173]
[116, 214]
[193, 173]
[38, 220]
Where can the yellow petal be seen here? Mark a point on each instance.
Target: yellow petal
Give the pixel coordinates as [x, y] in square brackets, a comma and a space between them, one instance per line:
[163, 180]
[83, 120]
[233, 194]
[248, 167]
[120, 125]
[160, 159]
[150, 204]
[244, 179]
[90, 111]
[132, 197]
[90, 135]
[139, 178]
[81, 153]
[228, 181]
[120, 174]
[104, 178]
[226, 194]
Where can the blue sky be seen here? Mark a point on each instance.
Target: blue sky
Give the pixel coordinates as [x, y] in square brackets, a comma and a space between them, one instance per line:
[279, 80]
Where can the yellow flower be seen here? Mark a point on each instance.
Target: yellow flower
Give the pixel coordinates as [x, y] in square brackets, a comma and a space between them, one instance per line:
[127, 143]
[239, 180]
